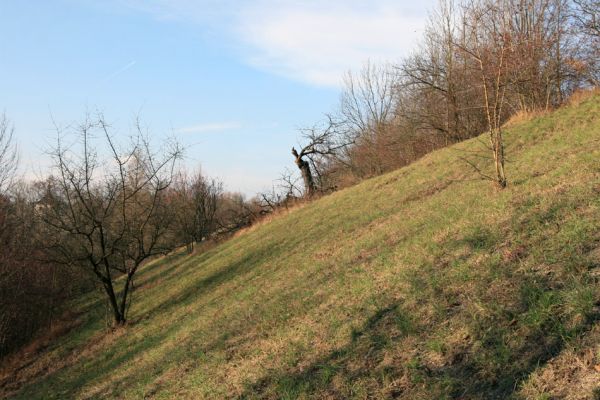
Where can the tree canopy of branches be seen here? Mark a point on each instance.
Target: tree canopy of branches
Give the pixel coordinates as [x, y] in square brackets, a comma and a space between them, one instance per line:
[196, 201]
[8, 153]
[106, 208]
[323, 142]
[586, 14]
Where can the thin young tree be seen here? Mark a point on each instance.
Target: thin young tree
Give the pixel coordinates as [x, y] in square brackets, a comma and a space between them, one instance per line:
[486, 41]
[106, 209]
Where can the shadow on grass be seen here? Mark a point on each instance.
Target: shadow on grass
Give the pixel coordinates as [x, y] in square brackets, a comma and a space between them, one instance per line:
[359, 359]
[67, 382]
[234, 270]
[99, 366]
[377, 362]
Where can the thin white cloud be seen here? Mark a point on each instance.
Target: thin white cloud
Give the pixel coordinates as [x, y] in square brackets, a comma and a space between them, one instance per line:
[210, 127]
[318, 44]
[312, 41]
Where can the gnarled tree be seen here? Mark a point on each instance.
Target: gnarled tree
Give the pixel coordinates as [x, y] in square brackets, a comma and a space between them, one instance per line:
[322, 143]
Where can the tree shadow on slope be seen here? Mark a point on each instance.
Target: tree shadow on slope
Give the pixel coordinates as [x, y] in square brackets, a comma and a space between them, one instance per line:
[237, 269]
[355, 361]
[390, 357]
[97, 365]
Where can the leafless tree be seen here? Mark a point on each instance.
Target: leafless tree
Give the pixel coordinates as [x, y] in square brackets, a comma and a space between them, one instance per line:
[323, 141]
[588, 14]
[367, 100]
[288, 186]
[196, 201]
[106, 209]
[367, 104]
[284, 191]
[433, 80]
[8, 153]
[206, 195]
[487, 42]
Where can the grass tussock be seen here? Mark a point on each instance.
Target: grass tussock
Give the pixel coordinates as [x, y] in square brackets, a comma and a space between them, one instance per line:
[425, 283]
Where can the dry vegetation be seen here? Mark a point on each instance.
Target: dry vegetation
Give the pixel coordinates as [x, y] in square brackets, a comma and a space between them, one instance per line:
[423, 283]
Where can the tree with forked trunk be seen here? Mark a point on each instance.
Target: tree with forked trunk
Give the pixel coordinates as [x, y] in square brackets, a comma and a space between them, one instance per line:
[106, 208]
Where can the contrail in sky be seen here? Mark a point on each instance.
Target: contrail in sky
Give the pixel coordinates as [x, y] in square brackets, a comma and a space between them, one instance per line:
[118, 72]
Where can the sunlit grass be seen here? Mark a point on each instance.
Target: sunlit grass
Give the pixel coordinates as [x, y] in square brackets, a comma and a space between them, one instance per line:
[425, 283]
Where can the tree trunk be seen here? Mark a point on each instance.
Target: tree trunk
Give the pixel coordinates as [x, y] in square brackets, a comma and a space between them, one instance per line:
[498, 151]
[112, 297]
[125, 295]
[304, 167]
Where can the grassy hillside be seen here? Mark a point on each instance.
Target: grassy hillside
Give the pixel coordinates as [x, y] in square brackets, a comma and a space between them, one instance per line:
[425, 283]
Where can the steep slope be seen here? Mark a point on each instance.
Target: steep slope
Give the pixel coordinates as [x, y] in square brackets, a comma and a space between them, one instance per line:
[425, 283]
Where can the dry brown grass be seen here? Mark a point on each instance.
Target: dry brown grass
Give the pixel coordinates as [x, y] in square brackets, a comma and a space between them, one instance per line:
[267, 218]
[581, 95]
[26, 364]
[521, 117]
[573, 375]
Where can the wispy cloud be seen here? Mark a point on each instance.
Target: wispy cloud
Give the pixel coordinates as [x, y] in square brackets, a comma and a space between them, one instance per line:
[210, 127]
[310, 41]
[318, 43]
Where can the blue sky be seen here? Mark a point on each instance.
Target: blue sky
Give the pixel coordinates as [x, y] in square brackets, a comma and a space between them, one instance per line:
[233, 80]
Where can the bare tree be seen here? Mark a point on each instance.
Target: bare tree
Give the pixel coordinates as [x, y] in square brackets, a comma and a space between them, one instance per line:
[206, 193]
[322, 142]
[588, 15]
[284, 191]
[304, 166]
[106, 209]
[368, 101]
[487, 42]
[8, 153]
[433, 80]
[196, 201]
[288, 186]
